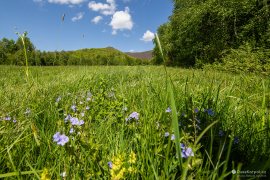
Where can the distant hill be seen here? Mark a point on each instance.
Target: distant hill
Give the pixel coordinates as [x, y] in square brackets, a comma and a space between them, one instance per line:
[11, 53]
[108, 55]
[141, 55]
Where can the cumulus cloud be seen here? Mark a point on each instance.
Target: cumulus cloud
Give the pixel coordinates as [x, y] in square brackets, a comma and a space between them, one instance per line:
[66, 1]
[121, 20]
[78, 17]
[96, 19]
[105, 9]
[148, 36]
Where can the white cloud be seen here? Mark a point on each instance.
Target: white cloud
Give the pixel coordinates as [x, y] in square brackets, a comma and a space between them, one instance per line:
[97, 19]
[105, 9]
[66, 1]
[148, 36]
[78, 17]
[121, 20]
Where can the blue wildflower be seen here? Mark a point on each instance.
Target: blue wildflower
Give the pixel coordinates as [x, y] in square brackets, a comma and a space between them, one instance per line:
[60, 139]
[67, 118]
[133, 115]
[63, 140]
[74, 108]
[186, 151]
[14, 120]
[71, 130]
[196, 110]
[167, 134]
[220, 133]
[210, 112]
[168, 110]
[81, 122]
[110, 164]
[76, 121]
[7, 118]
[172, 137]
[88, 99]
[236, 140]
[56, 136]
[182, 145]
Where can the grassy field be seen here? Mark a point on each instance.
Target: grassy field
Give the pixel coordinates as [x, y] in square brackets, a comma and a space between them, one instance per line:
[120, 123]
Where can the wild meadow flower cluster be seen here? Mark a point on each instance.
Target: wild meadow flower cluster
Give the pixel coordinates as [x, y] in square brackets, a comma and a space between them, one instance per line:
[88, 110]
[12, 118]
[83, 112]
[80, 116]
[95, 128]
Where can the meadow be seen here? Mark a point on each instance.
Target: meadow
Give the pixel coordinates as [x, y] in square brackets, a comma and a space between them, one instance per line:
[139, 122]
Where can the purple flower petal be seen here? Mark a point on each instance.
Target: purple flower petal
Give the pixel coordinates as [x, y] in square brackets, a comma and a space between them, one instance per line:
[168, 110]
[133, 115]
[56, 137]
[183, 146]
[167, 134]
[71, 130]
[110, 164]
[173, 137]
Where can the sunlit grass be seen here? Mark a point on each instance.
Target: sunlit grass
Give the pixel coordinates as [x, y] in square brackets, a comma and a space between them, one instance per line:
[240, 104]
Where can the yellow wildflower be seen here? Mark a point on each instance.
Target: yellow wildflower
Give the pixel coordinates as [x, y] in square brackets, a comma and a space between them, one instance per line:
[117, 162]
[131, 170]
[117, 171]
[132, 158]
[119, 175]
[45, 174]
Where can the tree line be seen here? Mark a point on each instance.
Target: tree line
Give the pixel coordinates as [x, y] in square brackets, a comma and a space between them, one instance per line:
[12, 53]
[203, 32]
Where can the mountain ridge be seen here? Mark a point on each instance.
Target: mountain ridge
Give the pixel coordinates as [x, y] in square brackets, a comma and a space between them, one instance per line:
[141, 55]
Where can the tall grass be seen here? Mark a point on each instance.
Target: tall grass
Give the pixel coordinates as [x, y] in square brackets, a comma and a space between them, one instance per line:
[22, 37]
[237, 102]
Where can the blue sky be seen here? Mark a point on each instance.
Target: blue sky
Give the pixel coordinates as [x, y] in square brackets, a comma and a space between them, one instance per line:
[127, 25]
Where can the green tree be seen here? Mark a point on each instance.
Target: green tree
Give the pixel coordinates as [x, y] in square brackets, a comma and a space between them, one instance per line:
[201, 30]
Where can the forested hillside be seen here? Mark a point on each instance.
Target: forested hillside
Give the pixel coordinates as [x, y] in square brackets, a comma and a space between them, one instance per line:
[148, 55]
[12, 53]
[234, 33]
